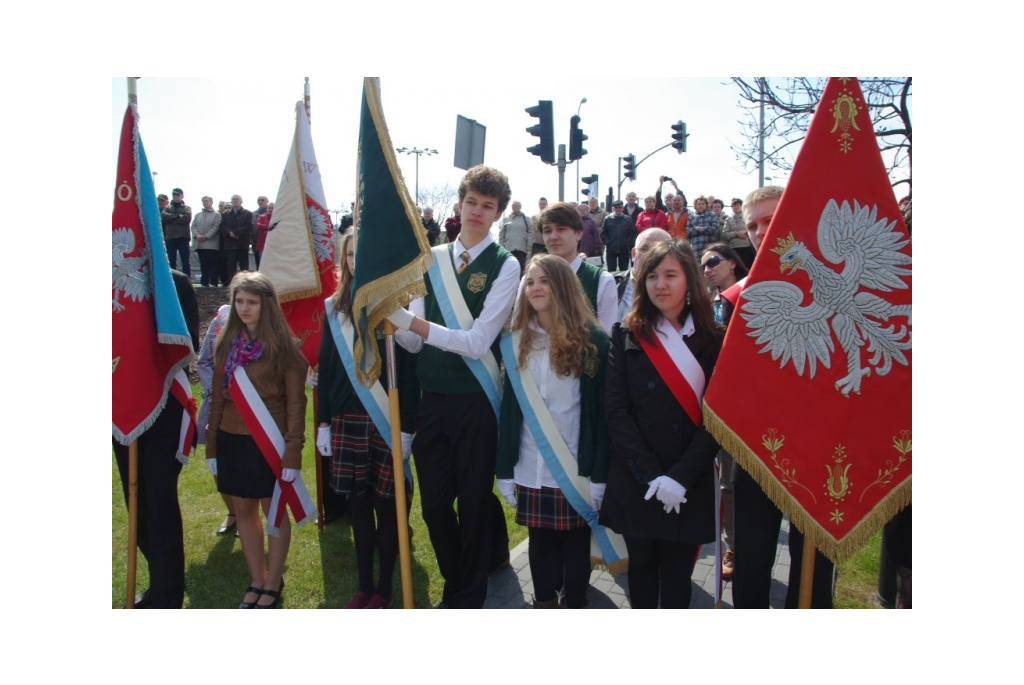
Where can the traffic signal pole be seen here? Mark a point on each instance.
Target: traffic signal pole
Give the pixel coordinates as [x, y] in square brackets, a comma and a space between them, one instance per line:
[561, 173]
[637, 165]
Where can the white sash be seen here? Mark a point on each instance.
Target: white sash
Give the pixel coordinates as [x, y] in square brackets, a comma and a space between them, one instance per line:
[606, 545]
[681, 354]
[457, 317]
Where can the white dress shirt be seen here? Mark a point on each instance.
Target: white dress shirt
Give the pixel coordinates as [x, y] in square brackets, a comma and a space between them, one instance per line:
[562, 396]
[477, 341]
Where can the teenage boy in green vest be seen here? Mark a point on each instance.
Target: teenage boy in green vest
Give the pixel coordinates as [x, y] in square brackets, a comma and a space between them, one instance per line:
[456, 423]
[562, 229]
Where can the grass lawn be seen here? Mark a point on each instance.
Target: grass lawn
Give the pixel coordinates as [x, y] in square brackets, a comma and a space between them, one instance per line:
[321, 567]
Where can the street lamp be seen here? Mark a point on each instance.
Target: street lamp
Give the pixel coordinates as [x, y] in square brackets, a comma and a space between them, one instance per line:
[578, 161]
[417, 151]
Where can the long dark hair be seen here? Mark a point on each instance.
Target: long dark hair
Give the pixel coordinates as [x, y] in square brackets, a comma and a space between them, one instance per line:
[642, 318]
[723, 249]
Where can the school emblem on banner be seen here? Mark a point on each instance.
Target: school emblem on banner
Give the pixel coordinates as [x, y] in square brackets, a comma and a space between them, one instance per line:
[477, 283]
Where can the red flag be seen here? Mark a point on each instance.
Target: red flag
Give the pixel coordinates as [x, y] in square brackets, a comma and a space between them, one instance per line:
[812, 391]
[150, 340]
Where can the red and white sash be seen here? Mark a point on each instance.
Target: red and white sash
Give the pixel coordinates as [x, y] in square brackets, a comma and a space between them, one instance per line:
[270, 440]
[181, 391]
[732, 293]
[677, 366]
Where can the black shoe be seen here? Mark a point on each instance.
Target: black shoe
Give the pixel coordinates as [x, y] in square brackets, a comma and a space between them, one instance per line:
[142, 601]
[224, 530]
[250, 605]
[271, 593]
[330, 517]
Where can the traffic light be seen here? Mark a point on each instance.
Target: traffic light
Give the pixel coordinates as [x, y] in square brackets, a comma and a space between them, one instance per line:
[576, 138]
[591, 183]
[679, 136]
[544, 129]
[629, 161]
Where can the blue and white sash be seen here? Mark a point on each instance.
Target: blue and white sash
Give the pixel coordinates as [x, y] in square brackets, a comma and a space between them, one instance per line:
[606, 546]
[375, 399]
[457, 317]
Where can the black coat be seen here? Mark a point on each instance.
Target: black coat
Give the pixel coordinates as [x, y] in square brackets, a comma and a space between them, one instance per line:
[652, 436]
[241, 224]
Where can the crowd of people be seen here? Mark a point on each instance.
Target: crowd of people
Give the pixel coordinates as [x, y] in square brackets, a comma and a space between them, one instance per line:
[590, 423]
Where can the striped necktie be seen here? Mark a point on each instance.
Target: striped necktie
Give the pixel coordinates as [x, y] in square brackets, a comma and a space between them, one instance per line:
[465, 261]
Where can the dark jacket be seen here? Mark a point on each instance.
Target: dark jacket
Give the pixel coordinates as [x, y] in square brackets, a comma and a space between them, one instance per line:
[240, 223]
[176, 219]
[652, 436]
[618, 233]
[433, 230]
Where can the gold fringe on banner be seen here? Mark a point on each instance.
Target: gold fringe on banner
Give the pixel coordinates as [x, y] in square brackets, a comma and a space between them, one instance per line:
[836, 550]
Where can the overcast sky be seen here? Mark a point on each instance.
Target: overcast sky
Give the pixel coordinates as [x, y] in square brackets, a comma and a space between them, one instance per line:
[224, 136]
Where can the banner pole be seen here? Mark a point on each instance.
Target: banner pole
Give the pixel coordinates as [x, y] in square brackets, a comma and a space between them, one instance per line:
[398, 467]
[806, 573]
[319, 464]
[133, 513]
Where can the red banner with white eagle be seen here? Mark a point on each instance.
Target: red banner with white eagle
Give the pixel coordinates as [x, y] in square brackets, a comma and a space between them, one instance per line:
[150, 340]
[812, 391]
[299, 256]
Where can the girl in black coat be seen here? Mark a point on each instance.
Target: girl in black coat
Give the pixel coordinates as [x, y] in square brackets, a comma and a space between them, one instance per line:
[660, 494]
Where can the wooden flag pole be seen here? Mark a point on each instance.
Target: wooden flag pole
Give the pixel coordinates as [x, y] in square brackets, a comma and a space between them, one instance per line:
[806, 573]
[319, 463]
[398, 467]
[133, 517]
[133, 470]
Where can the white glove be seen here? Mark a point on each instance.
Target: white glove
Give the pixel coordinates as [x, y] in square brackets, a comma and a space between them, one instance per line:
[212, 465]
[406, 445]
[323, 440]
[402, 318]
[311, 378]
[651, 491]
[597, 495]
[671, 493]
[288, 475]
[507, 488]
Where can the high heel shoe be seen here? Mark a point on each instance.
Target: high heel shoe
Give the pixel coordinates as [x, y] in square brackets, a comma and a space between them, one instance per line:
[225, 529]
[276, 594]
[250, 605]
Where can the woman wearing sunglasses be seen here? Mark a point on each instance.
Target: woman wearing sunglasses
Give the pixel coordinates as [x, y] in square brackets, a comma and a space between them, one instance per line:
[722, 267]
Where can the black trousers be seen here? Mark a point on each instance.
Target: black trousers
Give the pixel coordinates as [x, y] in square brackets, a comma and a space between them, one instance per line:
[456, 446]
[159, 520]
[209, 263]
[560, 558]
[757, 532]
[660, 572]
[234, 261]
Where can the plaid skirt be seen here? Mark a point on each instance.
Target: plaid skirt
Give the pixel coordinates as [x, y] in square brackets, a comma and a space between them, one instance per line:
[546, 508]
[360, 458]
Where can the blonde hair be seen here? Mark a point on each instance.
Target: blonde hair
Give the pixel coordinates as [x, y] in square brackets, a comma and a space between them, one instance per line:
[571, 313]
[279, 347]
[764, 193]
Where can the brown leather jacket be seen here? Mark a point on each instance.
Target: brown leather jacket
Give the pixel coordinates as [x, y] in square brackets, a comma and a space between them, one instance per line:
[285, 397]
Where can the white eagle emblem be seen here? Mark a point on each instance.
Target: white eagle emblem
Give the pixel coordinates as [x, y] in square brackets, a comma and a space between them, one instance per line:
[130, 275]
[870, 249]
[320, 227]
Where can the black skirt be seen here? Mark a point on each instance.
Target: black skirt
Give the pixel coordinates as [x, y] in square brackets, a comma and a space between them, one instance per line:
[241, 469]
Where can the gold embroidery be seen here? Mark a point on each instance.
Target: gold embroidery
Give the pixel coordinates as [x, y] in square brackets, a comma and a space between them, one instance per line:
[903, 444]
[477, 282]
[773, 442]
[590, 365]
[837, 485]
[117, 360]
[845, 111]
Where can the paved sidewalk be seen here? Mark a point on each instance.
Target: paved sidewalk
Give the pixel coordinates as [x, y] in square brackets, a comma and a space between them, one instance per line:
[512, 588]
